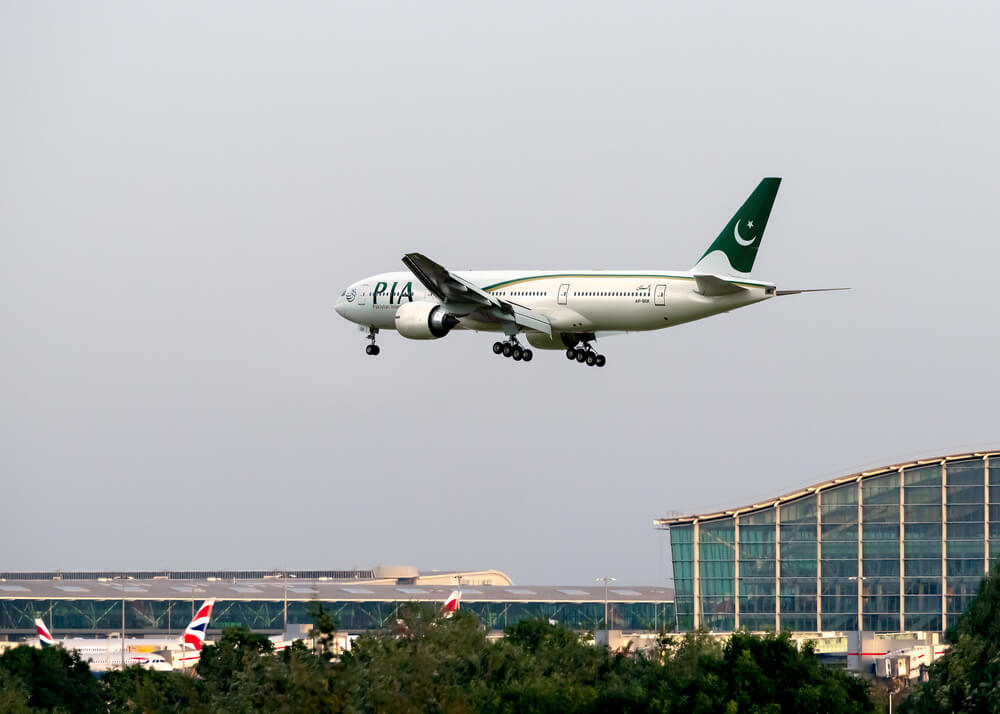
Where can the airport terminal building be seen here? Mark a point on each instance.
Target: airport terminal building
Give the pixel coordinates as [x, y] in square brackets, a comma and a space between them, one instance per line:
[894, 549]
[161, 604]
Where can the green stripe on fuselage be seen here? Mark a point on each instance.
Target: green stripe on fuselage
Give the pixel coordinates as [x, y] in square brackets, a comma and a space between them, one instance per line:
[508, 283]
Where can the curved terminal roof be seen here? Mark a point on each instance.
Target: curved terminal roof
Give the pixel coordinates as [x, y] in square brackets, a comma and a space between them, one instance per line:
[666, 523]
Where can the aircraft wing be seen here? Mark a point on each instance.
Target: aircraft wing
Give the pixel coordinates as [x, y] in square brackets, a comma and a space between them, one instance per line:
[460, 297]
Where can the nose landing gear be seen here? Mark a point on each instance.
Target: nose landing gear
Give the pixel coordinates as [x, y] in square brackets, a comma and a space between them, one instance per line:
[512, 348]
[586, 354]
[372, 349]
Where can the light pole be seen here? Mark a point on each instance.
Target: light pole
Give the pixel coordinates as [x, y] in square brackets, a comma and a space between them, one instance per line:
[606, 580]
[121, 579]
[860, 579]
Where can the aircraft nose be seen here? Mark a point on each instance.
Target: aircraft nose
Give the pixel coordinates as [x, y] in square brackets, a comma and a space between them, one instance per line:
[343, 304]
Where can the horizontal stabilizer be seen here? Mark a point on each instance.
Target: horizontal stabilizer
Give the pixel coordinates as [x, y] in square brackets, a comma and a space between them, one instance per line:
[810, 290]
[714, 286]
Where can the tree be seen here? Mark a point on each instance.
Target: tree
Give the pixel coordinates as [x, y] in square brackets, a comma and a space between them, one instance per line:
[136, 689]
[14, 695]
[237, 650]
[53, 678]
[323, 630]
[967, 678]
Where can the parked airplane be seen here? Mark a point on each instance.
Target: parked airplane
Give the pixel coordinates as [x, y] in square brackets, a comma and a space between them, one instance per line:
[107, 653]
[566, 309]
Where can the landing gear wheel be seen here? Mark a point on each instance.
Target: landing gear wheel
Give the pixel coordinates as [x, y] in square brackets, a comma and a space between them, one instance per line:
[528, 354]
[600, 361]
[376, 349]
[581, 356]
[517, 353]
[571, 353]
[507, 350]
[591, 359]
[372, 348]
[497, 347]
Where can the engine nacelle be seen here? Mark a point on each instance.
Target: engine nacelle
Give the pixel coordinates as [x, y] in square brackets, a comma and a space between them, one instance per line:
[423, 321]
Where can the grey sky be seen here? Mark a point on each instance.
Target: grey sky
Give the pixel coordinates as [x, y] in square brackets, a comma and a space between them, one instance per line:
[186, 187]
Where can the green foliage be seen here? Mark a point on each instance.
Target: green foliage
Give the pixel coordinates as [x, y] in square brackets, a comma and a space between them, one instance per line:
[14, 694]
[323, 630]
[427, 663]
[237, 650]
[136, 689]
[967, 678]
[52, 677]
[423, 663]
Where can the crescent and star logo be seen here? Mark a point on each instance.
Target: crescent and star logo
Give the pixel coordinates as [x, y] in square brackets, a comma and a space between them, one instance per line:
[739, 238]
[350, 295]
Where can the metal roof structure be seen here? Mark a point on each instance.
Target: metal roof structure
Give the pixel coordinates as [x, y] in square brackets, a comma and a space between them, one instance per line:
[666, 523]
[301, 589]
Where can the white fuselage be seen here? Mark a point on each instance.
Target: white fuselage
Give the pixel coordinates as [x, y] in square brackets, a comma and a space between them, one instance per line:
[586, 301]
[104, 655]
[132, 644]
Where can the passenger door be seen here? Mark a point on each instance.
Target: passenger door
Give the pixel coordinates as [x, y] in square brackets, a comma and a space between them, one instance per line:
[563, 293]
[363, 295]
[660, 295]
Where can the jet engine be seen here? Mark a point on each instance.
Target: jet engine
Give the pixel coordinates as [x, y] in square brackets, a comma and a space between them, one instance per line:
[423, 321]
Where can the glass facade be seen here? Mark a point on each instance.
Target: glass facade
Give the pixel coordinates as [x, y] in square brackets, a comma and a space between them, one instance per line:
[143, 617]
[900, 549]
[717, 574]
[682, 554]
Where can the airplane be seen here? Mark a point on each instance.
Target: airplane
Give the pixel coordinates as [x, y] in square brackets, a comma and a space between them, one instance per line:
[566, 309]
[138, 650]
[108, 654]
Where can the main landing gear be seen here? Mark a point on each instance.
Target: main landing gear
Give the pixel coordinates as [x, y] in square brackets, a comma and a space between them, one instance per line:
[372, 349]
[586, 354]
[511, 348]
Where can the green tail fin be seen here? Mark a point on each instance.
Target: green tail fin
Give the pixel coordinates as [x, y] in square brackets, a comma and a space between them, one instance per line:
[741, 237]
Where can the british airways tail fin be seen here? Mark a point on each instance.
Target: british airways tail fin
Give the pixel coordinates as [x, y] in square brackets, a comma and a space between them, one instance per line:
[45, 638]
[194, 635]
[452, 603]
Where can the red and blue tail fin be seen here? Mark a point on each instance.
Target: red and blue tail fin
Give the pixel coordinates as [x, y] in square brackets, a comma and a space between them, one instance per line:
[452, 603]
[45, 638]
[194, 635]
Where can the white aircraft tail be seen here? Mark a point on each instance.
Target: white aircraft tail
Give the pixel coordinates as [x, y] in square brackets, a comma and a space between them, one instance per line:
[45, 638]
[194, 635]
[452, 603]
